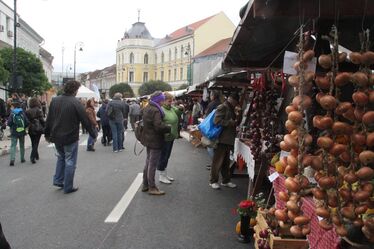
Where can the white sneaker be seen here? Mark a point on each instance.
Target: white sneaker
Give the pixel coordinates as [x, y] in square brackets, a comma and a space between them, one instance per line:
[229, 185]
[168, 177]
[214, 185]
[163, 179]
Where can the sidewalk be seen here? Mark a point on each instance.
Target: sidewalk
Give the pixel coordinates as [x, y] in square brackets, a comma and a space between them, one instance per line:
[5, 143]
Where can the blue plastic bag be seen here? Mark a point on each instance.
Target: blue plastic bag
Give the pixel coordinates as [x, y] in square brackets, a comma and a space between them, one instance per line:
[208, 128]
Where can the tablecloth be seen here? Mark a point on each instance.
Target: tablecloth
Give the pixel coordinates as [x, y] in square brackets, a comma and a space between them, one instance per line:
[243, 150]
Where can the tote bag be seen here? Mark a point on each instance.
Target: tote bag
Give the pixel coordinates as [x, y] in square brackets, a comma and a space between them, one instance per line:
[208, 128]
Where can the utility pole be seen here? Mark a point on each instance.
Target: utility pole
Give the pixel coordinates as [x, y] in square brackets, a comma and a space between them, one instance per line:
[14, 68]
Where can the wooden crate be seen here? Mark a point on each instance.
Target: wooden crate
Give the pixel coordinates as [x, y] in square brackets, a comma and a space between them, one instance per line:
[277, 242]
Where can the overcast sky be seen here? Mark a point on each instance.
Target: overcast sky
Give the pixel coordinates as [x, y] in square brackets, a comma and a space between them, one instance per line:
[100, 24]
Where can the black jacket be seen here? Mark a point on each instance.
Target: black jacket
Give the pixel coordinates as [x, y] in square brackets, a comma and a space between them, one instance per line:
[62, 125]
[33, 114]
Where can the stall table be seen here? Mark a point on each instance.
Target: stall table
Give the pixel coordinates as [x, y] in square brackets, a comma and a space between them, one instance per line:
[318, 237]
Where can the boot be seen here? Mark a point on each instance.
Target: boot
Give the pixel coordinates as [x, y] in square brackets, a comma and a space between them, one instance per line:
[163, 178]
[155, 191]
[167, 176]
[90, 148]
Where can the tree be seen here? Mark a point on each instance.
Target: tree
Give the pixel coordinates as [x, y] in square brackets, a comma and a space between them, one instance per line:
[123, 88]
[30, 68]
[182, 87]
[152, 86]
[4, 74]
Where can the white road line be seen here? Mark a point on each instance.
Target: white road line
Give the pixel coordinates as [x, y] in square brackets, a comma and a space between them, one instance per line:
[122, 205]
[17, 179]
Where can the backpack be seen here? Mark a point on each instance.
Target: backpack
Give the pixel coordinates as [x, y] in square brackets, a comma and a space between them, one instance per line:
[139, 130]
[110, 112]
[19, 122]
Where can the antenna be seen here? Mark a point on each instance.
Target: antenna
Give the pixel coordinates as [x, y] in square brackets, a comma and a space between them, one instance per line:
[138, 15]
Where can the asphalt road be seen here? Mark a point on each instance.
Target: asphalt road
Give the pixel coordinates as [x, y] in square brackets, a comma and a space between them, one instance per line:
[36, 215]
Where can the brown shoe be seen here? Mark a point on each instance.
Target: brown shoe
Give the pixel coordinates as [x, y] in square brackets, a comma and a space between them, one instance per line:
[155, 191]
[145, 188]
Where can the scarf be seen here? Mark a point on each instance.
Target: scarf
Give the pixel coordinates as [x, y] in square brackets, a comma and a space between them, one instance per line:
[159, 108]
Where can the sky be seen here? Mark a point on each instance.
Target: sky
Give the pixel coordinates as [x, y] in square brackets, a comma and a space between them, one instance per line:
[100, 24]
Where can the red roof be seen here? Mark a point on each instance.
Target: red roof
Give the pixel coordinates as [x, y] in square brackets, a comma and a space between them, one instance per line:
[219, 47]
[185, 30]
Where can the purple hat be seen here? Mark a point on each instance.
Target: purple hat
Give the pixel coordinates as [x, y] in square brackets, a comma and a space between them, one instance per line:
[158, 97]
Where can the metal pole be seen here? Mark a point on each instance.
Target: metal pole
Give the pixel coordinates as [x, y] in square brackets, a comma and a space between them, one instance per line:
[62, 64]
[14, 73]
[75, 52]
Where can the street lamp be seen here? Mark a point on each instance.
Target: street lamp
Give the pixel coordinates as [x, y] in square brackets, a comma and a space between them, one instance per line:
[80, 45]
[189, 71]
[14, 68]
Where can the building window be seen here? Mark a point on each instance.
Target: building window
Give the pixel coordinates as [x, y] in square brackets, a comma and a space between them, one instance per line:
[162, 57]
[119, 59]
[169, 54]
[119, 77]
[123, 59]
[155, 75]
[131, 58]
[162, 75]
[175, 53]
[181, 74]
[145, 77]
[169, 75]
[146, 58]
[131, 77]
[175, 74]
[182, 50]
[155, 58]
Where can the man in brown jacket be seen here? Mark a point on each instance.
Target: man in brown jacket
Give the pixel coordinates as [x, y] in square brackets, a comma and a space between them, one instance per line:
[224, 116]
[153, 133]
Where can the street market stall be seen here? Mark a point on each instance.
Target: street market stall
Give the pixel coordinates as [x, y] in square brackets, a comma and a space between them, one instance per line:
[310, 116]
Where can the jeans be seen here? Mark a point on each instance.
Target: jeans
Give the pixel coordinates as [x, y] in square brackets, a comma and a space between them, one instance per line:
[107, 134]
[210, 152]
[165, 155]
[153, 158]
[117, 134]
[13, 147]
[34, 146]
[67, 156]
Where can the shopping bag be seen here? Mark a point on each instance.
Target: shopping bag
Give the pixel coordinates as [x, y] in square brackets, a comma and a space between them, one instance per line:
[208, 128]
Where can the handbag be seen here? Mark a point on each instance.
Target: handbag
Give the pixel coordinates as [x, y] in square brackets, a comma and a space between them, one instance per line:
[36, 127]
[208, 128]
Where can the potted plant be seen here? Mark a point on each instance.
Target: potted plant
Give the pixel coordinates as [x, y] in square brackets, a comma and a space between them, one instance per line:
[246, 209]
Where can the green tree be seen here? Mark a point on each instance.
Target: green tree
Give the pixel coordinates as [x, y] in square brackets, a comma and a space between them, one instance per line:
[123, 88]
[4, 74]
[30, 68]
[152, 86]
[182, 87]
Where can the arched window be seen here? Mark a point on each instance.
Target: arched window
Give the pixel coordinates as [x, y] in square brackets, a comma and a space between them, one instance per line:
[155, 58]
[162, 57]
[175, 53]
[169, 54]
[182, 51]
[146, 58]
[131, 58]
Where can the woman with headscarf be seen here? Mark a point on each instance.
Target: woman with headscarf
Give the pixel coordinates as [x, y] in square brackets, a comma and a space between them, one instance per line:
[153, 133]
[36, 127]
[172, 115]
[90, 110]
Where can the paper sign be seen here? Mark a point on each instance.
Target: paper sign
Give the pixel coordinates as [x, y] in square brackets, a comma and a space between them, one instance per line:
[273, 176]
[283, 154]
[290, 59]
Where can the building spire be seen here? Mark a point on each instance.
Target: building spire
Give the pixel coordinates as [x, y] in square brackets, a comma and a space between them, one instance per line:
[138, 15]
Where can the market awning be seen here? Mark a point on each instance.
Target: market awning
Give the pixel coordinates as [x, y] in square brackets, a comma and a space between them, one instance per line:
[268, 28]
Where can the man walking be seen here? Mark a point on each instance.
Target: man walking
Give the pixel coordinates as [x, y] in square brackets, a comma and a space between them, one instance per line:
[134, 114]
[224, 116]
[117, 112]
[62, 128]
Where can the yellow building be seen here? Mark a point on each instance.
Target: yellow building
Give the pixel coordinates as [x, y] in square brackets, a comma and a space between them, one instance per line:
[141, 58]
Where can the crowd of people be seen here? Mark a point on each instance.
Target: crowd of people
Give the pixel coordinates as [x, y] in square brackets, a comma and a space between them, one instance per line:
[163, 119]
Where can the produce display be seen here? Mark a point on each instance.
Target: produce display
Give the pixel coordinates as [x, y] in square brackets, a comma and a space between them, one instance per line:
[344, 163]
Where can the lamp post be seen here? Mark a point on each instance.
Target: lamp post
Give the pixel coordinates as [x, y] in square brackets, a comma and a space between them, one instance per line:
[189, 72]
[14, 66]
[80, 45]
